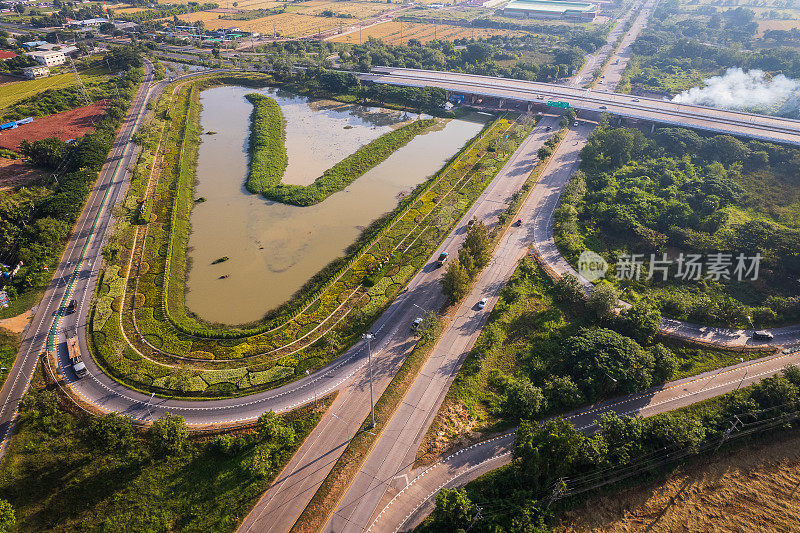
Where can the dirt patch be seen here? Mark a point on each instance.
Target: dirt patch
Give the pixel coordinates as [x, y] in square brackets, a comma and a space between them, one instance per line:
[15, 172]
[753, 488]
[453, 428]
[16, 324]
[65, 126]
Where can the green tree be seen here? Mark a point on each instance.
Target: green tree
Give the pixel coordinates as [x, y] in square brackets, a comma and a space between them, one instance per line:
[454, 510]
[568, 289]
[545, 452]
[455, 282]
[111, 432]
[7, 517]
[603, 362]
[169, 434]
[603, 300]
[272, 428]
[523, 400]
[478, 244]
[641, 322]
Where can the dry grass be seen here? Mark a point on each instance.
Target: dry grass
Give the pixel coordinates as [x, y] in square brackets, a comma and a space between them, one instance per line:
[753, 488]
[124, 10]
[764, 25]
[390, 33]
[285, 24]
[359, 10]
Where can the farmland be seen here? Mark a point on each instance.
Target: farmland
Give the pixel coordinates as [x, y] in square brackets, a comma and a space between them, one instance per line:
[14, 92]
[400, 32]
[285, 24]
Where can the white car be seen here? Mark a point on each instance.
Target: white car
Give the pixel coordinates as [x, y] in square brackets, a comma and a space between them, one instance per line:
[482, 304]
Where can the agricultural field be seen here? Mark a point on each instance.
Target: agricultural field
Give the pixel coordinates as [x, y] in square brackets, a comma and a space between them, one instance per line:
[400, 32]
[752, 488]
[766, 25]
[359, 10]
[14, 92]
[284, 24]
[125, 10]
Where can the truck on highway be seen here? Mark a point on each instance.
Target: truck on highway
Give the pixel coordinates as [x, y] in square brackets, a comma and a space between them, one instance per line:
[74, 353]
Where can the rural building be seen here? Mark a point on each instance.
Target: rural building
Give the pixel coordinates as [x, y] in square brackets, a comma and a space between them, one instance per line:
[36, 72]
[49, 59]
[87, 23]
[31, 45]
[6, 54]
[50, 47]
[127, 27]
[547, 9]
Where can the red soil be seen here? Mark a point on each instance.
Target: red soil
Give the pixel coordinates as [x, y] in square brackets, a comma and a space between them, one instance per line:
[65, 126]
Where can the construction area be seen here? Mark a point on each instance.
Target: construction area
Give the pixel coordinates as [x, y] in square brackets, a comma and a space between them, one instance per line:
[65, 126]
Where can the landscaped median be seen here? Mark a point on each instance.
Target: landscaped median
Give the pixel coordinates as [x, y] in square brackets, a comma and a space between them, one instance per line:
[172, 353]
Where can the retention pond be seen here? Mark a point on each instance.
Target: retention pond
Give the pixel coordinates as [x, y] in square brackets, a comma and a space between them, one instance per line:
[273, 249]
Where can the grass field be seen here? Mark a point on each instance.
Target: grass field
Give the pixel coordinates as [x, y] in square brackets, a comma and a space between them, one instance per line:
[390, 32]
[14, 92]
[751, 488]
[9, 345]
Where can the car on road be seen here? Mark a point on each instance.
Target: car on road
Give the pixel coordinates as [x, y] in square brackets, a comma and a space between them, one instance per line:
[482, 304]
[416, 324]
[518, 222]
[603, 107]
[442, 258]
[70, 308]
[635, 99]
[762, 335]
[575, 124]
[548, 128]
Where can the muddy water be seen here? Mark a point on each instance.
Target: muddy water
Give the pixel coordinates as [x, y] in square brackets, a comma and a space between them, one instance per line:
[273, 248]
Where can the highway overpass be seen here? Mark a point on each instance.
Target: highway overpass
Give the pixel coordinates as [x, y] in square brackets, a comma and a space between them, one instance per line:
[648, 109]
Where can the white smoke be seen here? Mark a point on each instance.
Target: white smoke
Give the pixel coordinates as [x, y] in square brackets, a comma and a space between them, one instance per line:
[747, 91]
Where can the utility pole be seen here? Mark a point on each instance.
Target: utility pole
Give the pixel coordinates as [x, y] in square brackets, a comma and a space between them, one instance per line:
[368, 337]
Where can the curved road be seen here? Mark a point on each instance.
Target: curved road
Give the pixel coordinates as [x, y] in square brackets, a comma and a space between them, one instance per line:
[76, 277]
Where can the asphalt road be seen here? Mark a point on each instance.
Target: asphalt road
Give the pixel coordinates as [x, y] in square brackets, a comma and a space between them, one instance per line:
[386, 469]
[78, 262]
[408, 508]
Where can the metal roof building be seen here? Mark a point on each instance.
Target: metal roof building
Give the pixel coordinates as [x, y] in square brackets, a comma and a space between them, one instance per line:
[581, 11]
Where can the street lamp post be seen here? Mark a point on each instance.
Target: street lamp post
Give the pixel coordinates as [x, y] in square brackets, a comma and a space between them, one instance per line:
[368, 337]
